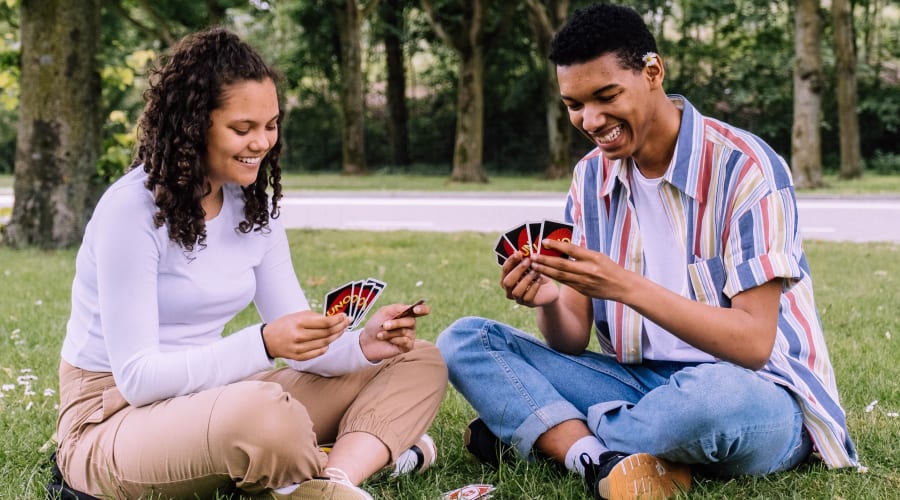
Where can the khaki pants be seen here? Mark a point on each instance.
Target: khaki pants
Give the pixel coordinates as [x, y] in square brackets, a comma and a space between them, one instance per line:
[255, 434]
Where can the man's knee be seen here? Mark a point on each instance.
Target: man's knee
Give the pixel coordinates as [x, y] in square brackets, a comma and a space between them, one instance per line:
[458, 334]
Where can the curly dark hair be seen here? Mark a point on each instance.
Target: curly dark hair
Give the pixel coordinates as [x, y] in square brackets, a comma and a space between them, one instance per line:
[600, 29]
[184, 89]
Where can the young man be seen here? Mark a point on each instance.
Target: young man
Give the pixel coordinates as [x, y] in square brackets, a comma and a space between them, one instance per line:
[687, 260]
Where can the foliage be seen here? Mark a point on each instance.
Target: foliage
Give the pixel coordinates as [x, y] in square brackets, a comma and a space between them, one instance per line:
[855, 291]
[732, 58]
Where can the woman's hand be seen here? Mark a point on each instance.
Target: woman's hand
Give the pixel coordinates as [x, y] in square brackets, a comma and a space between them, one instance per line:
[386, 336]
[303, 335]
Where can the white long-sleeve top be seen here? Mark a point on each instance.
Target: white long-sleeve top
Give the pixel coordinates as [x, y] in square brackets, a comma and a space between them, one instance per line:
[153, 314]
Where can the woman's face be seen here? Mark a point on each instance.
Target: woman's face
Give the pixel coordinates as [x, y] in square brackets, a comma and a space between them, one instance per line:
[242, 131]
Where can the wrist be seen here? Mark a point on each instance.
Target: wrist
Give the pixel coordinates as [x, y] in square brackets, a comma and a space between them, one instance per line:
[263, 337]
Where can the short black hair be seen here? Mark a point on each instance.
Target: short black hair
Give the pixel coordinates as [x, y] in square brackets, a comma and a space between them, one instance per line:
[600, 29]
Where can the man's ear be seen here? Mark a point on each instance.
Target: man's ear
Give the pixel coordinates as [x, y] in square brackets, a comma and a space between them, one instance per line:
[655, 73]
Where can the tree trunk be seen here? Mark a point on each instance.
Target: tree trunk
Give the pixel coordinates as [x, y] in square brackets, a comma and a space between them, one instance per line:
[58, 135]
[392, 15]
[545, 20]
[806, 142]
[845, 72]
[353, 105]
[469, 146]
[466, 36]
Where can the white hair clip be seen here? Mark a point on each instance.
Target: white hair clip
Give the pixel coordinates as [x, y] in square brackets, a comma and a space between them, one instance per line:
[650, 59]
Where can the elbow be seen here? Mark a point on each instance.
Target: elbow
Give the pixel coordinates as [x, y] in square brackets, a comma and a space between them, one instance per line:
[758, 355]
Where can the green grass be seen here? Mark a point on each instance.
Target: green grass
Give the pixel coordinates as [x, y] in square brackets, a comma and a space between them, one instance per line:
[856, 287]
[386, 181]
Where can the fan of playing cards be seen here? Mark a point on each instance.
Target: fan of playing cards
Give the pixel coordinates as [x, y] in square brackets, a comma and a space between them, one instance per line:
[354, 299]
[527, 238]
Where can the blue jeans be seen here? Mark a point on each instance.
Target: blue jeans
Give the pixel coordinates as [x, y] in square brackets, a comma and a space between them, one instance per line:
[723, 419]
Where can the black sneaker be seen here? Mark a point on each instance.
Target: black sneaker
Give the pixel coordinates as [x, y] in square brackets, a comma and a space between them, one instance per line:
[484, 445]
[619, 476]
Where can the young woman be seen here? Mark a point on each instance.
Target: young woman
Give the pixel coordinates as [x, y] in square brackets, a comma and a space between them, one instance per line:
[153, 398]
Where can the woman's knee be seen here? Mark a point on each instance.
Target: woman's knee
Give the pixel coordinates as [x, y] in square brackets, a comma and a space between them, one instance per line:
[260, 415]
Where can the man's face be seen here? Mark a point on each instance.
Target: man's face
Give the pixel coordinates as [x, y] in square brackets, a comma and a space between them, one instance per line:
[610, 104]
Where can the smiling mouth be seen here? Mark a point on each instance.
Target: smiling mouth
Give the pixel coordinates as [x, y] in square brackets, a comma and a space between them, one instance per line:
[610, 136]
[249, 160]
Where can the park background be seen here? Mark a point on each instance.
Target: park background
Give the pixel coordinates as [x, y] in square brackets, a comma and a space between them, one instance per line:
[446, 94]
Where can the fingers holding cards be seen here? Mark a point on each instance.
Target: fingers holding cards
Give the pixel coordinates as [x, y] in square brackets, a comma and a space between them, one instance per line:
[526, 238]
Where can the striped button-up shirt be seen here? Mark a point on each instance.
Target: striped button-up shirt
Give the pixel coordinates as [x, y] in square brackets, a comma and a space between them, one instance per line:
[731, 202]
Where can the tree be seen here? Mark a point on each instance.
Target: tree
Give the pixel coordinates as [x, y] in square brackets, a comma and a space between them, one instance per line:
[465, 27]
[350, 15]
[845, 74]
[58, 133]
[392, 17]
[545, 18]
[806, 144]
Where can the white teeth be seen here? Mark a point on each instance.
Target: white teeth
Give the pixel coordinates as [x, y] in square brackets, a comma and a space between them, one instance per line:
[251, 160]
[611, 136]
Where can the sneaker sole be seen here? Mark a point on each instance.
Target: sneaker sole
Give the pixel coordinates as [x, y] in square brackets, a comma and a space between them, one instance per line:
[645, 477]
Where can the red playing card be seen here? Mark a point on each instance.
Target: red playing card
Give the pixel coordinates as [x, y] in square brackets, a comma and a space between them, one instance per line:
[503, 249]
[520, 238]
[554, 230]
[338, 300]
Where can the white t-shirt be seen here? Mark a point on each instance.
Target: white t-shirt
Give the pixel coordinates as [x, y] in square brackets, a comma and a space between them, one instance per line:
[153, 314]
[664, 264]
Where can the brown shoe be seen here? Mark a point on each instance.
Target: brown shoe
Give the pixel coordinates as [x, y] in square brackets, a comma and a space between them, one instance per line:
[618, 476]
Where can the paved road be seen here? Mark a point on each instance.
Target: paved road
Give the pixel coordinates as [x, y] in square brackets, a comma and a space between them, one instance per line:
[859, 219]
[835, 219]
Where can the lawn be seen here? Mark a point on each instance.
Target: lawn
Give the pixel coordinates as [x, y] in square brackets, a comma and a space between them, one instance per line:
[856, 287]
[382, 180]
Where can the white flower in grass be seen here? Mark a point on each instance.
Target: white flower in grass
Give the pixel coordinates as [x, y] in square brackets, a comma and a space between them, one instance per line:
[29, 405]
[15, 334]
[892, 414]
[28, 391]
[871, 406]
[887, 335]
[38, 302]
[420, 283]
[49, 392]
[6, 272]
[8, 387]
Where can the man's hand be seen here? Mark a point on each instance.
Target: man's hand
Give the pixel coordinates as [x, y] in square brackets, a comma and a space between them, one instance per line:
[591, 273]
[525, 285]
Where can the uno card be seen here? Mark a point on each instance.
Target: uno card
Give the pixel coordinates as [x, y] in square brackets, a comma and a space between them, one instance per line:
[470, 492]
[534, 236]
[409, 310]
[520, 238]
[354, 299]
[338, 300]
[369, 292]
[503, 249]
[554, 230]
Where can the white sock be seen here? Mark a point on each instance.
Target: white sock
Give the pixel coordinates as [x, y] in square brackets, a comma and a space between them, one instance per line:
[287, 490]
[588, 444]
